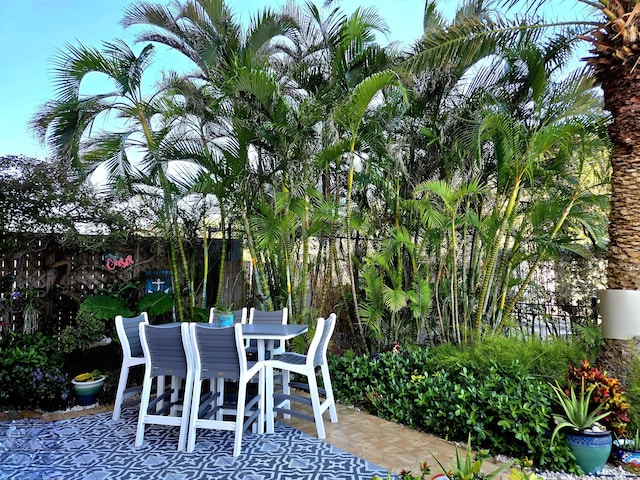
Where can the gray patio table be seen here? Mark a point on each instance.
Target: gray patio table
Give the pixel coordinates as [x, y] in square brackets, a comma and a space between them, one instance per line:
[266, 334]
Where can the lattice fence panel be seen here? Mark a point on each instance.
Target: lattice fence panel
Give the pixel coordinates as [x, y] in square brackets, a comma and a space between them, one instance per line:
[53, 277]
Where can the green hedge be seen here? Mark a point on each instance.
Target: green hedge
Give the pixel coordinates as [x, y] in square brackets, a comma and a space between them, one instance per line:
[503, 403]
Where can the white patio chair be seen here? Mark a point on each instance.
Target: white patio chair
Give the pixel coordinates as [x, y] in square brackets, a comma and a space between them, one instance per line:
[167, 350]
[132, 355]
[262, 316]
[304, 365]
[220, 354]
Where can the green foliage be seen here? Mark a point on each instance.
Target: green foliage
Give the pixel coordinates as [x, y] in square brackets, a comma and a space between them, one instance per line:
[500, 404]
[87, 329]
[632, 385]
[591, 335]
[507, 411]
[106, 307]
[95, 317]
[27, 360]
[360, 380]
[200, 315]
[546, 359]
[156, 303]
[37, 196]
[578, 412]
[468, 467]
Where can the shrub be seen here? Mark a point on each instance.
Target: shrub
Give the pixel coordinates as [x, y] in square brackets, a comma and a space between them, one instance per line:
[506, 411]
[379, 383]
[632, 385]
[23, 356]
[608, 394]
[88, 328]
[49, 382]
[456, 392]
[547, 359]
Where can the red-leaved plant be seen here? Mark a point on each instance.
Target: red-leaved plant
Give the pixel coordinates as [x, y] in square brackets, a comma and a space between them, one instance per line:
[608, 394]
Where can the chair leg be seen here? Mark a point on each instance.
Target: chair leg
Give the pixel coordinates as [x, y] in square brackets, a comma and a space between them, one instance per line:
[268, 372]
[218, 387]
[159, 391]
[176, 383]
[239, 426]
[286, 390]
[193, 415]
[315, 403]
[261, 401]
[122, 385]
[186, 412]
[330, 400]
[144, 406]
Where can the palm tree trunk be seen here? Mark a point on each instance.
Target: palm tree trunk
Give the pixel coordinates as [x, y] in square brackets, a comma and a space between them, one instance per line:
[262, 285]
[621, 87]
[622, 99]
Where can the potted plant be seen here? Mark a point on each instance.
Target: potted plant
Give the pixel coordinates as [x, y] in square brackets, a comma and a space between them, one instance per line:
[225, 315]
[589, 441]
[626, 452]
[87, 386]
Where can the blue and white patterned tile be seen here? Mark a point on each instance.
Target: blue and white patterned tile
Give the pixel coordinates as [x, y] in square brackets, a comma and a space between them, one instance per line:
[97, 448]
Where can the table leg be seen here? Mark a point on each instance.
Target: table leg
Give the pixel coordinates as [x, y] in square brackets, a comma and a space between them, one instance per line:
[261, 385]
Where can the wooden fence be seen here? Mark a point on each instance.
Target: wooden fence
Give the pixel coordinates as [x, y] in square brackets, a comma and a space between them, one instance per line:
[44, 273]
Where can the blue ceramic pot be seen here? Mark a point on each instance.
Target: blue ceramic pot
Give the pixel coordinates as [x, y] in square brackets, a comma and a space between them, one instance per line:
[591, 449]
[626, 455]
[226, 319]
[87, 392]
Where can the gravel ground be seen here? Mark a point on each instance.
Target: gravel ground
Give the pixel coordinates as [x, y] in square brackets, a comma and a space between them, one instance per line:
[609, 472]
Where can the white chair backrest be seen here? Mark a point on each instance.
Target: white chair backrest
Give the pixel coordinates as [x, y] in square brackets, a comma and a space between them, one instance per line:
[320, 343]
[129, 334]
[277, 316]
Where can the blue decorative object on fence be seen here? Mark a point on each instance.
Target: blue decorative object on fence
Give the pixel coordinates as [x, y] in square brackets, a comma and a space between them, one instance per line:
[158, 281]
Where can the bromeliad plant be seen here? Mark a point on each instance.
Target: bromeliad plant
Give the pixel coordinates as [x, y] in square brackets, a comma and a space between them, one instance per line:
[578, 413]
[88, 376]
[607, 394]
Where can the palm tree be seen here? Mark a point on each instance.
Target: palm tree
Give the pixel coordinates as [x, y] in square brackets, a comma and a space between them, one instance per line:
[615, 53]
[231, 88]
[71, 126]
[527, 117]
[611, 28]
[614, 60]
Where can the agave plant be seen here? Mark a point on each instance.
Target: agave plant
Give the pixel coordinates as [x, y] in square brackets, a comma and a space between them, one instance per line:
[576, 409]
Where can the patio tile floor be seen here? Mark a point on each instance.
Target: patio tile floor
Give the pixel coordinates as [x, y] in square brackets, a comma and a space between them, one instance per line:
[389, 445]
[92, 446]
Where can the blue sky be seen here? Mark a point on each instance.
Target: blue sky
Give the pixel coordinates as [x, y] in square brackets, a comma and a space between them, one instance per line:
[32, 31]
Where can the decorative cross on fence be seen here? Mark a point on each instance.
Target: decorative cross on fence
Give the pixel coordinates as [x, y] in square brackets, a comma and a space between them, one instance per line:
[158, 281]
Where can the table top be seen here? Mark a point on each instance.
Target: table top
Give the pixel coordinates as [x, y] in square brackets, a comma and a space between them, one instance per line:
[272, 331]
